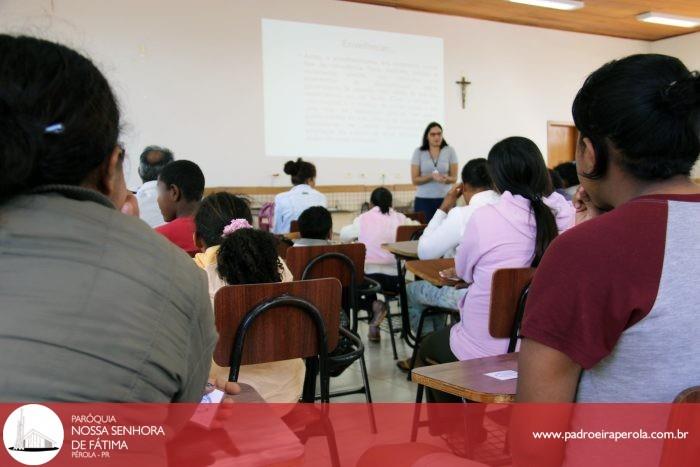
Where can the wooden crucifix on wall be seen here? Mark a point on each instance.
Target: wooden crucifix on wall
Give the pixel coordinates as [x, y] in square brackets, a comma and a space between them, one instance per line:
[463, 83]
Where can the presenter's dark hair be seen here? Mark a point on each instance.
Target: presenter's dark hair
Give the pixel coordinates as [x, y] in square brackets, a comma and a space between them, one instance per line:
[425, 145]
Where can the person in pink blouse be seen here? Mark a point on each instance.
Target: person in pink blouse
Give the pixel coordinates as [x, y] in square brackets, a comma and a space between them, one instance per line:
[513, 233]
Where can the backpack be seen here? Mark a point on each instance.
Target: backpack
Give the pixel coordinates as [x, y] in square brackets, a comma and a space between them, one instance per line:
[266, 216]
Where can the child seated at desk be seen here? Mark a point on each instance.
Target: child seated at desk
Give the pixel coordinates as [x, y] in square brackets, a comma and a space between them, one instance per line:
[315, 227]
[232, 252]
[374, 228]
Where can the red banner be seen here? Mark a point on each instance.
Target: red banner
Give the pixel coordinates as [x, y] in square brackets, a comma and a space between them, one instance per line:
[379, 434]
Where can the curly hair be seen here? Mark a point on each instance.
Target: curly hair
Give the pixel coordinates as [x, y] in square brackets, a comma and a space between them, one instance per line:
[216, 211]
[249, 256]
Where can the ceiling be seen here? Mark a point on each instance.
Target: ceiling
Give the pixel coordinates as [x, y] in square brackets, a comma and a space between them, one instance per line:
[605, 17]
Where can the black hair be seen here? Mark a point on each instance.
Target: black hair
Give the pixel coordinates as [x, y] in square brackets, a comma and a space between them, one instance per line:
[425, 145]
[382, 198]
[647, 108]
[301, 171]
[215, 212]
[315, 222]
[59, 119]
[475, 173]
[516, 165]
[249, 256]
[149, 171]
[187, 176]
[567, 172]
[557, 181]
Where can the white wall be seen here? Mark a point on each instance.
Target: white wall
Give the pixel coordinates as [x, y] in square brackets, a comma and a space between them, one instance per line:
[687, 48]
[189, 75]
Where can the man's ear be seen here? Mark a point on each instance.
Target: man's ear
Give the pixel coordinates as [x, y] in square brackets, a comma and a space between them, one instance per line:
[109, 173]
[588, 157]
[175, 193]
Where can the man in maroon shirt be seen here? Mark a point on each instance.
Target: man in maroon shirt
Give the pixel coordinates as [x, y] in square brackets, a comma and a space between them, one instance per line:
[613, 305]
[180, 189]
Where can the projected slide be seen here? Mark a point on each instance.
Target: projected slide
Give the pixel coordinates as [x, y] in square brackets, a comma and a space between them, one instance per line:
[344, 92]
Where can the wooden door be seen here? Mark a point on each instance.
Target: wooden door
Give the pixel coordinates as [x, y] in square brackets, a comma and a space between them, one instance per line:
[561, 143]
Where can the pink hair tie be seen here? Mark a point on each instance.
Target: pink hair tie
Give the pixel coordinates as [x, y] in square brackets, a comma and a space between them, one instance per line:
[235, 225]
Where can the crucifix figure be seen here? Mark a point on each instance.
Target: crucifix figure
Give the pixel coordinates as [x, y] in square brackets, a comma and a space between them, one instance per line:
[463, 83]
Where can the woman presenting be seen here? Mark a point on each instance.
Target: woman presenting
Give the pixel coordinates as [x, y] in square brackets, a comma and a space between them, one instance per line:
[434, 167]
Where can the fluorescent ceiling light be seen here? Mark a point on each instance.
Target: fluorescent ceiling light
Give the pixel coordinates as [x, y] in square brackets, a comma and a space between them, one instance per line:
[556, 4]
[669, 20]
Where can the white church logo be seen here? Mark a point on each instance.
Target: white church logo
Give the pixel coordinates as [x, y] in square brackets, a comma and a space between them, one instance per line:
[33, 434]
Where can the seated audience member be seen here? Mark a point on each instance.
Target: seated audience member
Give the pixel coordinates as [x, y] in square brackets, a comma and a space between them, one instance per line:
[558, 185]
[441, 237]
[249, 256]
[315, 227]
[374, 228]
[567, 172]
[615, 327]
[95, 305]
[445, 229]
[180, 188]
[513, 233]
[290, 204]
[151, 163]
[215, 212]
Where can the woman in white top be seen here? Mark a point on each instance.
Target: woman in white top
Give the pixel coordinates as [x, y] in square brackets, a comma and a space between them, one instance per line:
[374, 228]
[434, 167]
[444, 232]
[441, 238]
[290, 204]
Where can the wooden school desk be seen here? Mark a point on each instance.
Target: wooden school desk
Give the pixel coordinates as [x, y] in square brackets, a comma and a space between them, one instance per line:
[467, 379]
[246, 433]
[429, 270]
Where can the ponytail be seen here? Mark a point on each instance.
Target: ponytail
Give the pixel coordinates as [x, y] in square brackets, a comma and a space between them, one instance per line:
[516, 165]
[546, 228]
[382, 198]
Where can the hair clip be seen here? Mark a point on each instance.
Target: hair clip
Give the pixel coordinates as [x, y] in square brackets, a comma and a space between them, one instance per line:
[235, 225]
[54, 129]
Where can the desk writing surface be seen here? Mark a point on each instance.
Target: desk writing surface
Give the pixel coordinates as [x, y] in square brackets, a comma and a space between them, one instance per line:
[258, 434]
[404, 249]
[468, 378]
[429, 270]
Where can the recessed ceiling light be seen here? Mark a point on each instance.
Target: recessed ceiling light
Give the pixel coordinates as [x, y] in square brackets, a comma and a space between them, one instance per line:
[556, 4]
[669, 20]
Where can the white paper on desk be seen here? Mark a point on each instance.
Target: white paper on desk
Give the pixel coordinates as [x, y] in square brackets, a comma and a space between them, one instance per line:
[206, 410]
[504, 375]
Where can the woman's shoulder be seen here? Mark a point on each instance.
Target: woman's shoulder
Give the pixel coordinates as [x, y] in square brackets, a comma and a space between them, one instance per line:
[418, 152]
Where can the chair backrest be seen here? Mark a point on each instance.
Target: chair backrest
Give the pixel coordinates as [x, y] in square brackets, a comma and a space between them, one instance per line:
[688, 396]
[283, 244]
[405, 233]
[508, 292]
[416, 216]
[294, 226]
[299, 257]
[682, 418]
[272, 322]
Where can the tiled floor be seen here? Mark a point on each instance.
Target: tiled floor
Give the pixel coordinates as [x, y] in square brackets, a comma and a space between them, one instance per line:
[387, 382]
